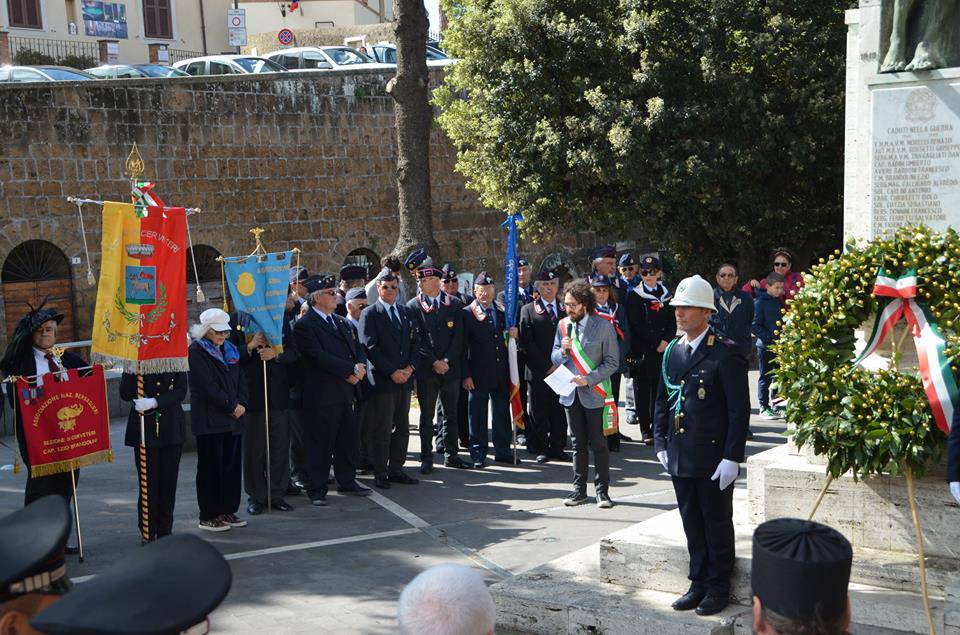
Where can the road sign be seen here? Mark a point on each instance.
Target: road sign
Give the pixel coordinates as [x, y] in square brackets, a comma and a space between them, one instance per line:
[285, 37]
[237, 27]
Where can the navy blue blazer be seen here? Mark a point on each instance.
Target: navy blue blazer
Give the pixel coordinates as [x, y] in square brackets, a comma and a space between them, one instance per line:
[215, 391]
[439, 335]
[716, 409]
[328, 356]
[484, 351]
[388, 349]
[734, 317]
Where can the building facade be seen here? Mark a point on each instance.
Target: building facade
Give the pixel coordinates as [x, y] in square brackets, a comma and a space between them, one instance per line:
[269, 16]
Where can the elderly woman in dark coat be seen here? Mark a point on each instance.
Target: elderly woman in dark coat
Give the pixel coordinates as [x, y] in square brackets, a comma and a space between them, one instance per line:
[218, 401]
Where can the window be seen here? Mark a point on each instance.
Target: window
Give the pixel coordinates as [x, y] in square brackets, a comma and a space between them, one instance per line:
[315, 59]
[289, 61]
[27, 75]
[258, 65]
[196, 68]
[25, 13]
[157, 20]
[220, 68]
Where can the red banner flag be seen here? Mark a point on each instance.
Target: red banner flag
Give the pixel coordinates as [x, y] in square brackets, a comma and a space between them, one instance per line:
[65, 423]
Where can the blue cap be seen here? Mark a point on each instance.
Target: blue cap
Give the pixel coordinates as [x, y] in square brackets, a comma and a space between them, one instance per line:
[546, 276]
[604, 251]
[649, 262]
[600, 280]
[417, 258]
[353, 272]
[319, 282]
[357, 293]
[626, 260]
[483, 279]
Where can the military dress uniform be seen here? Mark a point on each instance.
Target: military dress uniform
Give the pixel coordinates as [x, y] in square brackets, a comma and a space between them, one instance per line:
[164, 432]
[711, 425]
[463, 429]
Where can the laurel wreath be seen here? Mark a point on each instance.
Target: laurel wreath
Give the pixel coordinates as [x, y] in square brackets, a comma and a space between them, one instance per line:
[136, 318]
[866, 422]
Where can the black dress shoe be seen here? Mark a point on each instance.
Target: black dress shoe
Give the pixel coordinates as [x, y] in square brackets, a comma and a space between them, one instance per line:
[71, 550]
[403, 479]
[255, 509]
[648, 439]
[426, 468]
[281, 505]
[542, 458]
[632, 420]
[509, 460]
[382, 482]
[689, 600]
[457, 462]
[355, 489]
[712, 604]
[614, 445]
[563, 457]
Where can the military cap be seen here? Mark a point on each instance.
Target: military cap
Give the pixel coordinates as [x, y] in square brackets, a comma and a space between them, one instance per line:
[523, 262]
[600, 280]
[801, 568]
[626, 260]
[417, 258]
[31, 551]
[449, 273]
[604, 251]
[483, 279]
[353, 272]
[357, 293]
[298, 274]
[388, 277]
[649, 262]
[426, 272]
[319, 282]
[165, 588]
[546, 276]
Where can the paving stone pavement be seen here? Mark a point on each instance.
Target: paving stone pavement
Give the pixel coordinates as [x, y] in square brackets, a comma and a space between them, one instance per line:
[341, 568]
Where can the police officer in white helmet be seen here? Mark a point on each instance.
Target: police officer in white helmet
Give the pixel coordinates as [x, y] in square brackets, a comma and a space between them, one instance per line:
[700, 427]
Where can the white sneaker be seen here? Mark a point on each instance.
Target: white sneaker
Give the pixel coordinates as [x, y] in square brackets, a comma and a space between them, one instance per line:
[231, 520]
[213, 525]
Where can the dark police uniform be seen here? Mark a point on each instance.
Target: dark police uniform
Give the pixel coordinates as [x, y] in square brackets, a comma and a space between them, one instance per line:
[616, 315]
[164, 431]
[547, 425]
[651, 321]
[439, 326]
[330, 353]
[712, 426]
[463, 429]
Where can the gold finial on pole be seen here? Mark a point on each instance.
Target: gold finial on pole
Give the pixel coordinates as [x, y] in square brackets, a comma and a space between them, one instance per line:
[257, 233]
[133, 167]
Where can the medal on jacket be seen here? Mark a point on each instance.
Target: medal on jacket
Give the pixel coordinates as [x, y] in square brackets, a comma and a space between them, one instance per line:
[449, 324]
[702, 393]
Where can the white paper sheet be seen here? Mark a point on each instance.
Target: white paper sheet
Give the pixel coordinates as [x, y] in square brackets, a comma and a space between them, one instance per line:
[559, 381]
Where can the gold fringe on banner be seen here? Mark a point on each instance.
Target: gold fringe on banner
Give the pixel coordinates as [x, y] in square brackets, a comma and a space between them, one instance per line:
[70, 465]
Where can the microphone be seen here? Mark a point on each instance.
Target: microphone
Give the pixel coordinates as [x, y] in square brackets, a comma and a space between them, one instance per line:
[569, 328]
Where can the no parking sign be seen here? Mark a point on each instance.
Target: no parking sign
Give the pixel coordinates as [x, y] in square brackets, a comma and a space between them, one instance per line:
[285, 37]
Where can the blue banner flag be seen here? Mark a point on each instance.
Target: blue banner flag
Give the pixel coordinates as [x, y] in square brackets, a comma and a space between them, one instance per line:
[510, 281]
[258, 285]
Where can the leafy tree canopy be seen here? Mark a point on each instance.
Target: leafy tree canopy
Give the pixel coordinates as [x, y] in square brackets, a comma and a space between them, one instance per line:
[712, 129]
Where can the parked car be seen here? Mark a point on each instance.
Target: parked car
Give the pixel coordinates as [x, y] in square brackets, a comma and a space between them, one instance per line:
[134, 71]
[42, 74]
[386, 53]
[228, 65]
[314, 58]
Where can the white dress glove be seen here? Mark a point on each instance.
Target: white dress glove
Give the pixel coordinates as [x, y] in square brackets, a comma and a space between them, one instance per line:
[727, 472]
[662, 455]
[955, 490]
[144, 403]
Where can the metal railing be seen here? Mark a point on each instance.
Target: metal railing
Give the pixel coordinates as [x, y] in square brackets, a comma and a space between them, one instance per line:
[57, 49]
[179, 54]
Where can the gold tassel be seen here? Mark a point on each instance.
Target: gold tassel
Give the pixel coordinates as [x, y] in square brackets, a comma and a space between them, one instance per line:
[91, 279]
[223, 283]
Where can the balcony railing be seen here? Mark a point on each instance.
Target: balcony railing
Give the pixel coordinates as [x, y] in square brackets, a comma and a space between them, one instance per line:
[179, 54]
[57, 50]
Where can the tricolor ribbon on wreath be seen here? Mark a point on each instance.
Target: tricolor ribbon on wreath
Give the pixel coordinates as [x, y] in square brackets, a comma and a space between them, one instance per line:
[585, 366]
[938, 381]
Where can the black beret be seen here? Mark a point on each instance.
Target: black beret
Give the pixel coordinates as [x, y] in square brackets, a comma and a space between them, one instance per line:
[523, 263]
[604, 251]
[353, 272]
[801, 569]
[649, 262]
[600, 280]
[626, 260]
[31, 551]
[357, 293]
[448, 273]
[319, 282]
[546, 276]
[165, 588]
[426, 272]
[483, 279]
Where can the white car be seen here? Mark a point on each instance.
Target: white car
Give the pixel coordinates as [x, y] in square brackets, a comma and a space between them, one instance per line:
[27, 74]
[386, 53]
[323, 58]
[228, 65]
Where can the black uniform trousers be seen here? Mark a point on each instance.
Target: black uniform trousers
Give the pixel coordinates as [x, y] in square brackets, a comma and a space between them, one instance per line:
[547, 426]
[163, 467]
[219, 469]
[446, 390]
[463, 419]
[613, 441]
[645, 391]
[255, 456]
[298, 459]
[332, 438]
[40, 486]
[586, 432]
[707, 513]
[387, 431]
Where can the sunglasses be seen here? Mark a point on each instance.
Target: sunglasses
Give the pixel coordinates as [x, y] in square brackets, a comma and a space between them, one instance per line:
[649, 272]
[781, 264]
[629, 268]
[392, 287]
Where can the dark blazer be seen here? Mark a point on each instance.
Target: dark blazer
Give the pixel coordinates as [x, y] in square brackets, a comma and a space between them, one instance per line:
[278, 380]
[169, 389]
[734, 324]
[953, 449]
[215, 391]
[295, 368]
[766, 318]
[388, 350]
[524, 297]
[650, 323]
[439, 335]
[328, 356]
[714, 427]
[484, 351]
[537, 330]
[623, 327]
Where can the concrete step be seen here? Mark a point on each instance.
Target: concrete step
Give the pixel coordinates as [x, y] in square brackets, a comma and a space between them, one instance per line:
[653, 555]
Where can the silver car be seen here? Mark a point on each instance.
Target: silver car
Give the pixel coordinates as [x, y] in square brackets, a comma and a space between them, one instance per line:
[26, 74]
[134, 71]
[323, 58]
[228, 65]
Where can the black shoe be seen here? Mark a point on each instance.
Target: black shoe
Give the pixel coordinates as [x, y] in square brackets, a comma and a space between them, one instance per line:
[614, 446]
[300, 483]
[648, 439]
[479, 465]
[563, 457]
[689, 600]
[575, 498]
[293, 490]
[603, 500]
[712, 604]
[382, 482]
[365, 471]
[441, 450]
[542, 458]
[319, 501]
[281, 505]
[624, 437]
[71, 550]
[355, 489]
[457, 462]
[509, 460]
[403, 479]
[255, 509]
[749, 434]
[426, 467]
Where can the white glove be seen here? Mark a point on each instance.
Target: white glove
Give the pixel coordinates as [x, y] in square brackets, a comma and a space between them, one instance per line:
[727, 472]
[955, 490]
[144, 403]
[662, 455]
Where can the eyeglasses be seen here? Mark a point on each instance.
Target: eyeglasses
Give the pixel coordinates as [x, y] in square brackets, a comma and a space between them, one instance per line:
[628, 268]
[392, 287]
[572, 305]
[649, 272]
[781, 264]
[224, 333]
[727, 275]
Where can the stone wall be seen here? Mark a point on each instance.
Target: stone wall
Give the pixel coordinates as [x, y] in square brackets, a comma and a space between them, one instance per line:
[311, 158]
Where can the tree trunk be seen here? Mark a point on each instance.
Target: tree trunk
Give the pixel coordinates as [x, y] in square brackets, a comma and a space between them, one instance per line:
[414, 115]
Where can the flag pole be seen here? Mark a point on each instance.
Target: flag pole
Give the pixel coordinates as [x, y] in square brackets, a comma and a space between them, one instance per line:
[266, 424]
[76, 512]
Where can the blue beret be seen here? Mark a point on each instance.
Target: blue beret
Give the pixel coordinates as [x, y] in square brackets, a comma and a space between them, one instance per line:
[357, 293]
[604, 251]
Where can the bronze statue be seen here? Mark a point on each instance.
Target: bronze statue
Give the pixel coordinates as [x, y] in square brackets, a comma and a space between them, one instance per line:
[928, 28]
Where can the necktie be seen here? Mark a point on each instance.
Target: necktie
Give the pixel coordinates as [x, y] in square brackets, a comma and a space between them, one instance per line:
[436, 305]
[492, 316]
[54, 366]
[603, 309]
[330, 321]
[395, 318]
[685, 352]
[553, 312]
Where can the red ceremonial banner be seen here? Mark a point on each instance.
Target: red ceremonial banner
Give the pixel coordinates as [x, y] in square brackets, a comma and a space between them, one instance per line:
[65, 423]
